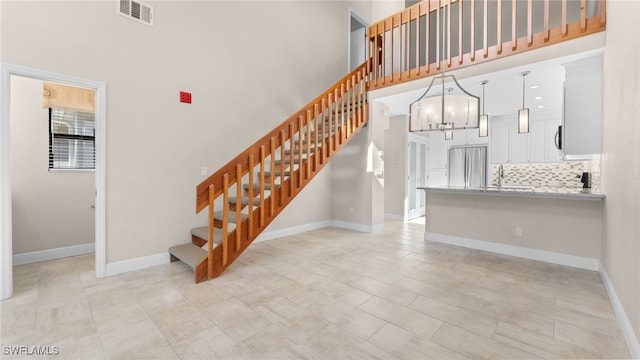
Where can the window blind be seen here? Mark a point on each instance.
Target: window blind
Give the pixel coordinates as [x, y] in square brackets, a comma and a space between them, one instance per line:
[71, 139]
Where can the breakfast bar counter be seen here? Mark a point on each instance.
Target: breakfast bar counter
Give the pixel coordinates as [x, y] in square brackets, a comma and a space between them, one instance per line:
[521, 191]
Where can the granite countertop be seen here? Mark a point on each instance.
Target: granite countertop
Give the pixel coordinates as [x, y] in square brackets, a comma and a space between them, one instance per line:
[522, 191]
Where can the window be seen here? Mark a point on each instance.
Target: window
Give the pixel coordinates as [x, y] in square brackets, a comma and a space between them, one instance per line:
[72, 140]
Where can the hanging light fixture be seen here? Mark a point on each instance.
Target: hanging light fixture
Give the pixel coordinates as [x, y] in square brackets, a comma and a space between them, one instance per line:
[523, 114]
[483, 124]
[448, 135]
[445, 106]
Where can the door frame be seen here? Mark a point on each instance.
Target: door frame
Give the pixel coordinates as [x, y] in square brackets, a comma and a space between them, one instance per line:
[353, 15]
[6, 246]
[420, 140]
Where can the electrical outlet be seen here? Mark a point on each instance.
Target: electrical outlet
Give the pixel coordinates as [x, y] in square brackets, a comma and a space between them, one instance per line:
[519, 231]
[203, 171]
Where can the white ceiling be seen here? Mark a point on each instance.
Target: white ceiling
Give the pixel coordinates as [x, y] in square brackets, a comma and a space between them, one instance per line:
[504, 90]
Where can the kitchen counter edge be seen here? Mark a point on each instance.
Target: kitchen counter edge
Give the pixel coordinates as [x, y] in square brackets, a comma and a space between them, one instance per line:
[516, 192]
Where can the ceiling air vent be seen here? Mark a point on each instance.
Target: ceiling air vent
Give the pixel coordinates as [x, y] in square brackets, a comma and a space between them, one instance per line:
[136, 10]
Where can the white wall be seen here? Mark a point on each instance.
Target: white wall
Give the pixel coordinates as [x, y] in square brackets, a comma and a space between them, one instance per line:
[621, 156]
[50, 209]
[245, 67]
[395, 167]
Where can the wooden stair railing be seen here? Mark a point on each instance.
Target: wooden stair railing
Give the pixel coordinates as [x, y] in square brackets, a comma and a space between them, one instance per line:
[402, 47]
[245, 195]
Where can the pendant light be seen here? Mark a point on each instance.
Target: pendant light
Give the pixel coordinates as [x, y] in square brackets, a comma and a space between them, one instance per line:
[483, 124]
[523, 114]
[444, 108]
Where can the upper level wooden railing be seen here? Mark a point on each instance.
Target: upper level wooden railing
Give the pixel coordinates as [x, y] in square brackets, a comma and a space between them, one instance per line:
[409, 45]
[272, 171]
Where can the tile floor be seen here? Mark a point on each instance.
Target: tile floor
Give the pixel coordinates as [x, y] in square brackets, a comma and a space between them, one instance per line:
[324, 294]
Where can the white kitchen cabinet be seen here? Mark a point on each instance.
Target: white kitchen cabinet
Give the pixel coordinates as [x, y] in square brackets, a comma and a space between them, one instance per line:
[537, 144]
[542, 146]
[582, 124]
[438, 152]
[499, 142]
[518, 145]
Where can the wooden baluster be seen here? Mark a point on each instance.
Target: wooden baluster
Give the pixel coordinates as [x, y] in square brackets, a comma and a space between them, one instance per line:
[460, 54]
[514, 39]
[547, 33]
[449, 33]
[272, 167]
[384, 52]
[250, 217]
[329, 122]
[485, 33]
[283, 160]
[426, 37]
[345, 111]
[438, 36]
[225, 217]
[292, 147]
[472, 49]
[211, 233]
[336, 128]
[239, 208]
[361, 95]
[322, 120]
[407, 43]
[343, 105]
[564, 18]
[499, 27]
[418, 40]
[583, 15]
[603, 13]
[529, 16]
[319, 147]
[352, 108]
[308, 141]
[300, 147]
[262, 160]
[393, 55]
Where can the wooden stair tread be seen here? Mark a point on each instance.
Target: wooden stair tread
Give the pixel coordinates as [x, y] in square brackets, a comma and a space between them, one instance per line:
[244, 201]
[277, 173]
[297, 151]
[203, 233]
[219, 215]
[287, 161]
[256, 186]
[189, 254]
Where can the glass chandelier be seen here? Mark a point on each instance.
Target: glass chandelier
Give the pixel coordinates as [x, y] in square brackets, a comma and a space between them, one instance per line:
[445, 106]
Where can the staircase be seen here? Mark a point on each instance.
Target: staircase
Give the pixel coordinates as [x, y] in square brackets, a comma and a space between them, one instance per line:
[246, 194]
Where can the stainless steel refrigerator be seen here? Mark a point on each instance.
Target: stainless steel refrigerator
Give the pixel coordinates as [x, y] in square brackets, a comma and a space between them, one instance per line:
[468, 166]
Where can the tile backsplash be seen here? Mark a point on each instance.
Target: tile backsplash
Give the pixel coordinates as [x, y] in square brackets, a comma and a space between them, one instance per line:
[561, 174]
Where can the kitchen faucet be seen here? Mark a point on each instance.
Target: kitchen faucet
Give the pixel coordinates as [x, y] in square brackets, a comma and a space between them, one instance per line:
[500, 175]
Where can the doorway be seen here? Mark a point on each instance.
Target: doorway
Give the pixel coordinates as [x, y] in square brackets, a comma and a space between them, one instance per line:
[418, 166]
[7, 72]
[357, 40]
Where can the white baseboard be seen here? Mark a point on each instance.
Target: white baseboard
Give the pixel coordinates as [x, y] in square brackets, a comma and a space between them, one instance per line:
[52, 254]
[137, 264]
[163, 258]
[517, 251]
[358, 227]
[270, 235]
[395, 217]
[623, 320]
